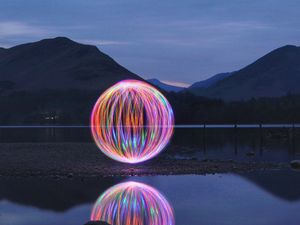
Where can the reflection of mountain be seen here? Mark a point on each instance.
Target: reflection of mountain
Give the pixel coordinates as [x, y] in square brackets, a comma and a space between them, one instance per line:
[61, 195]
[282, 184]
[56, 195]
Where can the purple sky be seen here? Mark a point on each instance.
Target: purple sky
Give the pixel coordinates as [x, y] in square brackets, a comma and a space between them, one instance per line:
[175, 41]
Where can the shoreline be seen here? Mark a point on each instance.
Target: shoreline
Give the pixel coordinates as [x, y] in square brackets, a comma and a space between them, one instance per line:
[201, 170]
[70, 160]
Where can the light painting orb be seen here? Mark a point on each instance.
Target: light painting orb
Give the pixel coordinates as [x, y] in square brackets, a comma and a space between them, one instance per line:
[133, 203]
[132, 121]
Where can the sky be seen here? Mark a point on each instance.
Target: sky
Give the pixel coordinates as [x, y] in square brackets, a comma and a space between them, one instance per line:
[176, 41]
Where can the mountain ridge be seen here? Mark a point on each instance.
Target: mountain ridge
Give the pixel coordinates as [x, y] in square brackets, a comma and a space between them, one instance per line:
[61, 80]
[59, 63]
[211, 80]
[273, 75]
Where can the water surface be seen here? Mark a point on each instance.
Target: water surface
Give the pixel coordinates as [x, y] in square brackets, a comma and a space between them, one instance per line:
[260, 198]
[252, 198]
[269, 144]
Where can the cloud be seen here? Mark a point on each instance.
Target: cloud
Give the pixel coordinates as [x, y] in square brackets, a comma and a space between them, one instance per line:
[217, 24]
[190, 33]
[103, 42]
[16, 28]
[175, 83]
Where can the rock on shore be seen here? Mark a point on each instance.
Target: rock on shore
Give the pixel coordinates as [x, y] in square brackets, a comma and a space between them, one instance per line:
[70, 160]
[295, 164]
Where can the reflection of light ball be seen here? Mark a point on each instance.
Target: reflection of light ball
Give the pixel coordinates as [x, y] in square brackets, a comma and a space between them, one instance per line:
[132, 121]
[133, 203]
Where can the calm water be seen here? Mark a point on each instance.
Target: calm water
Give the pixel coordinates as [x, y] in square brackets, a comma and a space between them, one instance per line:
[262, 198]
[242, 144]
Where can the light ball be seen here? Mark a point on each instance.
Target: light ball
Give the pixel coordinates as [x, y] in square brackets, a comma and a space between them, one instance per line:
[132, 121]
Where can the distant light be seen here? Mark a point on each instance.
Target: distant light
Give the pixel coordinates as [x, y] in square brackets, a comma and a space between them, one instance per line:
[133, 203]
[132, 121]
[176, 83]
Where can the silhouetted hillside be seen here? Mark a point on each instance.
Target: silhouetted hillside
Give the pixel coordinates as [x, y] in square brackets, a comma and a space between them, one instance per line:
[58, 63]
[210, 81]
[273, 75]
[191, 109]
[57, 81]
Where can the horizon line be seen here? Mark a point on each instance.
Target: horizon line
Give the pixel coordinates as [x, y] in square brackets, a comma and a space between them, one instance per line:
[274, 125]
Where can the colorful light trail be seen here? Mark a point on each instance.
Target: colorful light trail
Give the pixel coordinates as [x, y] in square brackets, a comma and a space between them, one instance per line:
[133, 203]
[132, 121]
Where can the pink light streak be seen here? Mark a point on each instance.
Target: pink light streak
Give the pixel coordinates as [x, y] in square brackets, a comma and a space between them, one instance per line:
[133, 203]
[132, 122]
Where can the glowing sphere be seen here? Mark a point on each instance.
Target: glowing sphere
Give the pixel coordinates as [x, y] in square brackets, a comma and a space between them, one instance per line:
[132, 121]
[133, 203]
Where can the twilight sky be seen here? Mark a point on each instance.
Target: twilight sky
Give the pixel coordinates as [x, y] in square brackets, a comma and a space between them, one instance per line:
[179, 41]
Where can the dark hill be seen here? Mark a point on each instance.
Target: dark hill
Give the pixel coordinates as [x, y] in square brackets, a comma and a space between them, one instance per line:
[54, 81]
[2, 50]
[58, 63]
[210, 81]
[273, 75]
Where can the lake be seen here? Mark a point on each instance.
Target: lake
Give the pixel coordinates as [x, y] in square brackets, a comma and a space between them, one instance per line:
[216, 142]
[260, 198]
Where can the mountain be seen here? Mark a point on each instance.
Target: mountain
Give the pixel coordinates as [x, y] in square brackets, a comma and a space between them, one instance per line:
[210, 81]
[57, 81]
[58, 63]
[164, 86]
[273, 75]
[2, 50]
[54, 81]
